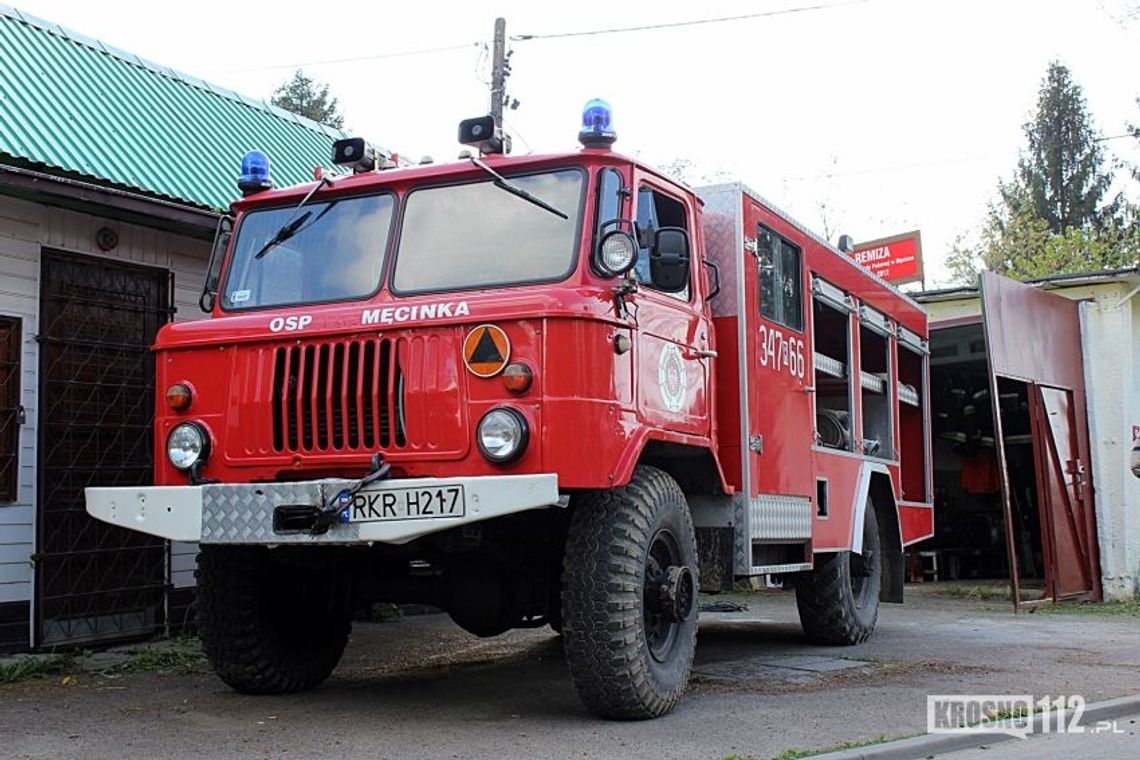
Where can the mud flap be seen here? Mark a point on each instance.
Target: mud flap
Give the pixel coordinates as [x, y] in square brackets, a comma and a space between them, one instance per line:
[892, 588]
[715, 558]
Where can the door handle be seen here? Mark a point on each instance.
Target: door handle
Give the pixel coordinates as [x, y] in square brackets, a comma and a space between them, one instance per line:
[702, 353]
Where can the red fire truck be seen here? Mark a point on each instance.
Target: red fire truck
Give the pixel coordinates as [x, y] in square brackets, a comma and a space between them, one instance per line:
[556, 390]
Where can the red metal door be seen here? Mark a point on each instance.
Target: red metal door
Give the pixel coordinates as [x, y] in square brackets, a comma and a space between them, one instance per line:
[778, 356]
[1062, 493]
[1035, 337]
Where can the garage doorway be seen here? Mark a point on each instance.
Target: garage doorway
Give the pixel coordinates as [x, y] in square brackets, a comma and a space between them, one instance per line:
[1013, 491]
[98, 319]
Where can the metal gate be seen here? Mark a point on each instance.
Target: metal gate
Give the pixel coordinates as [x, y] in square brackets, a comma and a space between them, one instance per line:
[1035, 337]
[98, 319]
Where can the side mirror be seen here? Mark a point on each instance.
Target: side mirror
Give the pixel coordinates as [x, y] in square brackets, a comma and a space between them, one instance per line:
[669, 260]
[213, 268]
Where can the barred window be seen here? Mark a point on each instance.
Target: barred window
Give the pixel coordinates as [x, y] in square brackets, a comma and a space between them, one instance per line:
[9, 407]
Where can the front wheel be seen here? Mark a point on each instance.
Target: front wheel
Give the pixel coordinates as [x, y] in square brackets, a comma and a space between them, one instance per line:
[629, 597]
[269, 627]
[838, 600]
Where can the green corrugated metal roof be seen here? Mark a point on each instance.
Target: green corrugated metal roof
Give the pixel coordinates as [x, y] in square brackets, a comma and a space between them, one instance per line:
[71, 103]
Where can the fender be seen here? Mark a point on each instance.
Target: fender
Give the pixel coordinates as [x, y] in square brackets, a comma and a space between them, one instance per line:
[637, 442]
[859, 508]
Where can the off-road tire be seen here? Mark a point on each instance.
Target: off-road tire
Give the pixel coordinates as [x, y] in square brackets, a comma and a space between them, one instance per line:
[604, 618]
[266, 627]
[832, 612]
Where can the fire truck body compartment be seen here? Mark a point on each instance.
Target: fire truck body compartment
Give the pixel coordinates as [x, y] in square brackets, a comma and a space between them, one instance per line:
[822, 402]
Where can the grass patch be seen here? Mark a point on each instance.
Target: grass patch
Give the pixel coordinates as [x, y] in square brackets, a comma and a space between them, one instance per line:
[1130, 608]
[181, 655]
[796, 754]
[975, 593]
[1006, 713]
[379, 612]
[37, 667]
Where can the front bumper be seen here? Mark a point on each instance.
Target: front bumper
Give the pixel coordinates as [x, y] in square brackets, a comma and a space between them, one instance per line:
[243, 513]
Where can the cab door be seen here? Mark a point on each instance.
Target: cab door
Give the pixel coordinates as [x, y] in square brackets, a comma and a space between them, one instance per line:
[673, 334]
[778, 356]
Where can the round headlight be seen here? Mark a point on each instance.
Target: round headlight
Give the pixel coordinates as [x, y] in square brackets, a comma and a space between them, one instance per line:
[187, 445]
[618, 253]
[502, 434]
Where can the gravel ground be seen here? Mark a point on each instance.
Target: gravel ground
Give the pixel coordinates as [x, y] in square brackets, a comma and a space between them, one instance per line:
[420, 687]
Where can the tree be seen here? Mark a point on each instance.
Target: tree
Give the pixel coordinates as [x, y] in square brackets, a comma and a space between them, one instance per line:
[680, 169]
[1135, 130]
[1053, 216]
[1060, 176]
[309, 98]
[1023, 246]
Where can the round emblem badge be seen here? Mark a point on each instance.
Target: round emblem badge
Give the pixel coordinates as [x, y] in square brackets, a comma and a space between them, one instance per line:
[671, 377]
[486, 350]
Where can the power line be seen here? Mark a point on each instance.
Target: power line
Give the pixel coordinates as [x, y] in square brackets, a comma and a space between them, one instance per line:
[675, 24]
[356, 59]
[515, 133]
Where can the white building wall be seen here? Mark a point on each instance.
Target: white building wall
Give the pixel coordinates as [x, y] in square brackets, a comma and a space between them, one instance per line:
[1111, 385]
[26, 228]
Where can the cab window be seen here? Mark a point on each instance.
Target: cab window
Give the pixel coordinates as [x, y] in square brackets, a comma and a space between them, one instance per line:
[609, 203]
[654, 211]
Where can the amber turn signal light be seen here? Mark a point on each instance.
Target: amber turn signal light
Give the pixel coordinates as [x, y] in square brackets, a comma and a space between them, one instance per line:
[179, 396]
[517, 378]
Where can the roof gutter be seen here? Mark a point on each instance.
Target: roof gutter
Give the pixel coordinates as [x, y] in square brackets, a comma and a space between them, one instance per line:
[99, 200]
[1052, 282]
[1126, 298]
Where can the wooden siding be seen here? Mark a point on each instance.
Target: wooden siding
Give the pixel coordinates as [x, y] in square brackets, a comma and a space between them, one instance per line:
[24, 228]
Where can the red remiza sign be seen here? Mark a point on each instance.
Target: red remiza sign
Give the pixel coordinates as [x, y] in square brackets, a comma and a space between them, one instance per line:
[896, 259]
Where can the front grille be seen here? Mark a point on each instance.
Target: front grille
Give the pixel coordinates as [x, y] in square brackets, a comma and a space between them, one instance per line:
[340, 395]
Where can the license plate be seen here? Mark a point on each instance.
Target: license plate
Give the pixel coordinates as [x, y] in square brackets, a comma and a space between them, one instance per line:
[422, 503]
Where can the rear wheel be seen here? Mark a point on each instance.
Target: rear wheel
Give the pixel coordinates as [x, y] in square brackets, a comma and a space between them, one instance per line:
[629, 597]
[838, 600]
[269, 627]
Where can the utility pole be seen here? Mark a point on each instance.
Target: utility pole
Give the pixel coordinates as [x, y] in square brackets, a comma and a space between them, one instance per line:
[499, 71]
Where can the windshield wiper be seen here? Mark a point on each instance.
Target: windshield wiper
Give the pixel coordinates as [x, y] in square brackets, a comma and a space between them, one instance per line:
[513, 189]
[291, 227]
[283, 234]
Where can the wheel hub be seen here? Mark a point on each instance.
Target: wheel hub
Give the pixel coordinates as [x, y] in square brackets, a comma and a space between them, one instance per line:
[669, 594]
[677, 593]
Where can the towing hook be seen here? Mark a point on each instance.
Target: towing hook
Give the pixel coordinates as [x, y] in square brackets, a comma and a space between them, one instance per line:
[339, 504]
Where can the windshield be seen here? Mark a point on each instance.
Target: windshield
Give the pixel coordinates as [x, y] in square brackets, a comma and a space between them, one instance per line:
[478, 234]
[335, 254]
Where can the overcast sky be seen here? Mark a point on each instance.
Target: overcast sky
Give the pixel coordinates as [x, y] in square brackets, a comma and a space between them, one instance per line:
[870, 118]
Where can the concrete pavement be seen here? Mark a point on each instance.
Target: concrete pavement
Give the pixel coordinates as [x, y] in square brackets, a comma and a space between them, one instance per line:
[423, 688]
